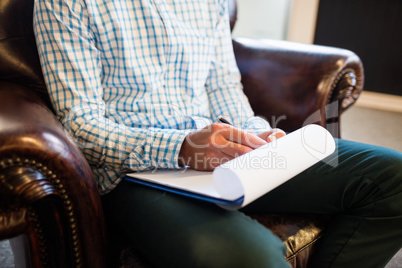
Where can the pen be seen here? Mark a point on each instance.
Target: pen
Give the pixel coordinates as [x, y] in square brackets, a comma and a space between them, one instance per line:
[224, 120]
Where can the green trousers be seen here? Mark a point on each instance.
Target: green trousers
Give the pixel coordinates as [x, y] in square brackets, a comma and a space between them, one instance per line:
[359, 185]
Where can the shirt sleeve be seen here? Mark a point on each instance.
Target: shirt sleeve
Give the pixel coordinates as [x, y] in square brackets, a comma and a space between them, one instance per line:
[224, 86]
[72, 69]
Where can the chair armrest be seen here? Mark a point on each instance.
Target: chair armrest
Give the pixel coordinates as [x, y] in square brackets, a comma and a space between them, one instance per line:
[291, 84]
[47, 190]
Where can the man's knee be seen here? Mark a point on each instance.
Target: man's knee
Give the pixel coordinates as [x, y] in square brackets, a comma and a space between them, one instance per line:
[388, 167]
[386, 175]
[373, 176]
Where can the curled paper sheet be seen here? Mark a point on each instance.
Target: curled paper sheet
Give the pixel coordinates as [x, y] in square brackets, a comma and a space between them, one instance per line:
[259, 171]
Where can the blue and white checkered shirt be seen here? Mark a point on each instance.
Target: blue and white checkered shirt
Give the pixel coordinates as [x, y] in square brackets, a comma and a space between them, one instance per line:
[129, 79]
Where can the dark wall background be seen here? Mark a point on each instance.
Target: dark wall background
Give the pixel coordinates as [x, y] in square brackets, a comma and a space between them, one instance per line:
[373, 30]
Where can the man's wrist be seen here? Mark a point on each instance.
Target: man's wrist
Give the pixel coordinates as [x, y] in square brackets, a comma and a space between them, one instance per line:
[182, 159]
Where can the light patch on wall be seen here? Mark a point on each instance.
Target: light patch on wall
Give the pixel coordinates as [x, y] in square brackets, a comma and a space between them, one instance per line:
[262, 19]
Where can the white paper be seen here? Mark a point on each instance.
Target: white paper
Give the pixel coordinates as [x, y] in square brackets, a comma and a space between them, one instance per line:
[267, 167]
[255, 173]
[185, 179]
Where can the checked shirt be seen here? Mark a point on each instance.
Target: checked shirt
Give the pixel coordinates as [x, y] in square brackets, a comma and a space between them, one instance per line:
[129, 79]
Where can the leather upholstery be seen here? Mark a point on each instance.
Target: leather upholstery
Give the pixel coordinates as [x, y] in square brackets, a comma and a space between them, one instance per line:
[43, 172]
[18, 55]
[12, 223]
[327, 76]
[48, 198]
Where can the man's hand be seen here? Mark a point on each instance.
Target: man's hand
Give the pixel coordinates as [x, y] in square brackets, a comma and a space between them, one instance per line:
[215, 144]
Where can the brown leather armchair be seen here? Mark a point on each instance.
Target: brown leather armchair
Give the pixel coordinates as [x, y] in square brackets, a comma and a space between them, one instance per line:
[50, 208]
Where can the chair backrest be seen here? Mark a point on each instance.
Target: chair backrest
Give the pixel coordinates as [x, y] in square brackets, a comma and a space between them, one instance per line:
[19, 60]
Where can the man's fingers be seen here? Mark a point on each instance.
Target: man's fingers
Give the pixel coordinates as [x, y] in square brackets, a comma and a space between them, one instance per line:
[275, 134]
[234, 149]
[248, 139]
[215, 144]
